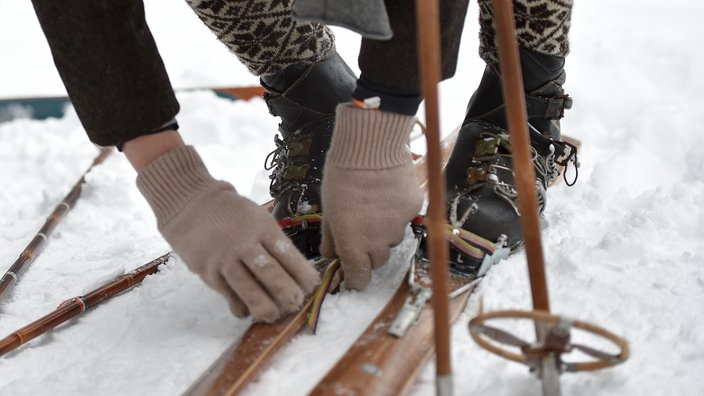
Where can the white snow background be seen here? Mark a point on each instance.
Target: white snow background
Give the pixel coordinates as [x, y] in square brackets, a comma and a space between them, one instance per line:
[624, 247]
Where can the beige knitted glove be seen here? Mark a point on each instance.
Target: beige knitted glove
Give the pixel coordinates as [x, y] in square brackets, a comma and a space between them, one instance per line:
[234, 245]
[369, 191]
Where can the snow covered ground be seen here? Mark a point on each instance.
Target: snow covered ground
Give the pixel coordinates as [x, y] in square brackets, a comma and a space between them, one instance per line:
[624, 247]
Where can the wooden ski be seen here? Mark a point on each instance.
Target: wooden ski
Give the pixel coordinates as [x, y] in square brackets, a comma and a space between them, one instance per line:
[42, 107]
[239, 365]
[382, 363]
[388, 363]
[385, 360]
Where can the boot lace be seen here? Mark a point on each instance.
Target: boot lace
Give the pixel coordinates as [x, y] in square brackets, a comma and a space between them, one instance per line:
[286, 173]
[492, 161]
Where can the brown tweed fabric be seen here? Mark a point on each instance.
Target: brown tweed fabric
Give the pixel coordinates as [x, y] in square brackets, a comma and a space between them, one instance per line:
[541, 25]
[262, 33]
[110, 66]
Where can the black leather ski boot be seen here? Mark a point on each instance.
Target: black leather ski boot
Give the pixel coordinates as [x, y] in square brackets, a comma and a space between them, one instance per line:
[305, 97]
[482, 198]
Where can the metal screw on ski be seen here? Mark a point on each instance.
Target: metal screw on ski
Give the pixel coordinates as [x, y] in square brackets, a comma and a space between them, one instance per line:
[552, 332]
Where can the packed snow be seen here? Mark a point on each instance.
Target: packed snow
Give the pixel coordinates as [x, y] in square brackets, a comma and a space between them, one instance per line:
[624, 247]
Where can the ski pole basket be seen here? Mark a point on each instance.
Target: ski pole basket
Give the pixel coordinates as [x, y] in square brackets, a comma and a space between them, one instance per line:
[555, 341]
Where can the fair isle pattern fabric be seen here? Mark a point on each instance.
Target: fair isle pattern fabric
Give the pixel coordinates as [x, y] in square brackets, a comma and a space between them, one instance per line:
[541, 26]
[262, 33]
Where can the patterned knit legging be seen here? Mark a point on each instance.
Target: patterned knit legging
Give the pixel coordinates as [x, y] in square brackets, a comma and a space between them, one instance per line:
[541, 26]
[266, 39]
[262, 33]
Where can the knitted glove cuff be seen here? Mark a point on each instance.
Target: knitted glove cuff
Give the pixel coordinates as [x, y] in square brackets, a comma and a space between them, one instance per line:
[171, 181]
[367, 139]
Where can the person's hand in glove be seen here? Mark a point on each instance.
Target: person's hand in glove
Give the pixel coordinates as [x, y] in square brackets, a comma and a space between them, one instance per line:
[369, 191]
[234, 245]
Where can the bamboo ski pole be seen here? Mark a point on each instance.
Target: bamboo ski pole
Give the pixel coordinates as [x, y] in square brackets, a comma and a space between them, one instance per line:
[428, 21]
[517, 118]
[520, 148]
[77, 305]
[34, 248]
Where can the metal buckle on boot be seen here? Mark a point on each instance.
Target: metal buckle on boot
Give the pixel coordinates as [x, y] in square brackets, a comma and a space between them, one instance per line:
[565, 160]
[476, 174]
[487, 147]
